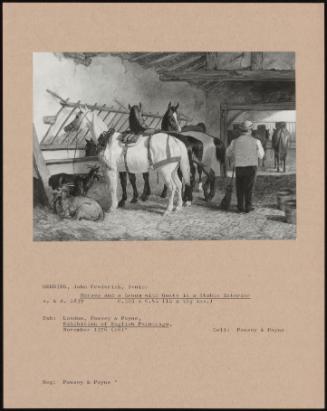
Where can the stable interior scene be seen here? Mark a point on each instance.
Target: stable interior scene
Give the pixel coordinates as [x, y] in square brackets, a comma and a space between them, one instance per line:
[79, 99]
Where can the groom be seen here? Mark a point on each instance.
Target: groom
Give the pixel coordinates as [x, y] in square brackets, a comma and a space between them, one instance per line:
[245, 150]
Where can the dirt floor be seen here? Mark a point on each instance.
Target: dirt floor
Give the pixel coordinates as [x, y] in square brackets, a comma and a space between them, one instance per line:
[201, 221]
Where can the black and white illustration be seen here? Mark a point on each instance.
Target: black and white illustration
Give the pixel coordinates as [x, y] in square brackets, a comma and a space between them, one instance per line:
[164, 146]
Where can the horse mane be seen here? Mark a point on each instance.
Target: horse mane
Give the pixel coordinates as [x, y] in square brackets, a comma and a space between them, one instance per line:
[134, 120]
[104, 138]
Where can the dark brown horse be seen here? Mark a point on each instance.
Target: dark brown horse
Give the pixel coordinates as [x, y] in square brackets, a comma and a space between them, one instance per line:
[136, 126]
[280, 144]
[197, 142]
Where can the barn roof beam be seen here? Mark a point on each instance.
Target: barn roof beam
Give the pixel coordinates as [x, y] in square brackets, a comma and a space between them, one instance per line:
[198, 64]
[184, 63]
[229, 75]
[141, 56]
[164, 58]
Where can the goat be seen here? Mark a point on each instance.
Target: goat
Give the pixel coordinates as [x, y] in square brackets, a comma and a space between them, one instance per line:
[90, 148]
[67, 206]
[78, 183]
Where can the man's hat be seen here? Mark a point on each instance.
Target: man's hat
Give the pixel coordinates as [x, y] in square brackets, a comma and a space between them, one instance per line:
[246, 125]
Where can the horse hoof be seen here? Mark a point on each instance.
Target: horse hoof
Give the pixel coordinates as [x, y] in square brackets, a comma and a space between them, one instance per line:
[188, 203]
[121, 203]
[163, 195]
[144, 197]
[178, 208]
[133, 200]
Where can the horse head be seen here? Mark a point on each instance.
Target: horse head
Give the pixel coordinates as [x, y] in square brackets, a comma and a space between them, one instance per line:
[75, 124]
[136, 119]
[93, 122]
[170, 120]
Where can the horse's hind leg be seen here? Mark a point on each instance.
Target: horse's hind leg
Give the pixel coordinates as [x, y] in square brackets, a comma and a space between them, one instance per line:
[146, 189]
[111, 178]
[167, 174]
[193, 171]
[123, 183]
[180, 174]
[212, 184]
[132, 179]
[200, 187]
[164, 192]
[179, 185]
[186, 196]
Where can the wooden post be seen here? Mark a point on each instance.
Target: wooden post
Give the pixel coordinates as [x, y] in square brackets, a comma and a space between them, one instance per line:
[41, 168]
[256, 61]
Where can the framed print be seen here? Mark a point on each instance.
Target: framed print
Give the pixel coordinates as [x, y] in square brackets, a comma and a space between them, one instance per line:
[163, 205]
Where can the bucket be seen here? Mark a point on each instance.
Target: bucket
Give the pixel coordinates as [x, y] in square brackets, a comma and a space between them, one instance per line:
[290, 211]
[284, 195]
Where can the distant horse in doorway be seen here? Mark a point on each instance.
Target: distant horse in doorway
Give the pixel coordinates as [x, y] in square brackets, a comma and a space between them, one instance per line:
[280, 144]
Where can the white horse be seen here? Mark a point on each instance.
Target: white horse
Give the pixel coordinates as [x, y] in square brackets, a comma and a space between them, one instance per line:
[159, 151]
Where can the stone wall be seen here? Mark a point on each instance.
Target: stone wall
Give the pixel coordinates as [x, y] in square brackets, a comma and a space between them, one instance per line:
[105, 80]
[244, 93]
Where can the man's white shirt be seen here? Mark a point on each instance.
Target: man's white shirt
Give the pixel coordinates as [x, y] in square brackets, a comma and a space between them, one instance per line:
[245, 150]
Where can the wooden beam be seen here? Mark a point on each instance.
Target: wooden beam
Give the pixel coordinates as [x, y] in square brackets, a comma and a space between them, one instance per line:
[184, 62]
[115, 110]
[72, 160]
[104, 108]
[141, 56]
[200, 64]
[165, 58]
[55, 95]
[40, 165]
[227, 60]
[229, 75]
[55, 147]
[283, 105]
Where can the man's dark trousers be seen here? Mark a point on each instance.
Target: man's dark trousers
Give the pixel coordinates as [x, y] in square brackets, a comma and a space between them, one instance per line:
[245, 179]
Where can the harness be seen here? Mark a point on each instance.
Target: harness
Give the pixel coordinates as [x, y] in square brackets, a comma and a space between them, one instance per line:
[158, 164]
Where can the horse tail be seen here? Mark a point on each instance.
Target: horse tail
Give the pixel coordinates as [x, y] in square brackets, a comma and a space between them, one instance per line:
[221, 153]
[185, 165]
[284, 143]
